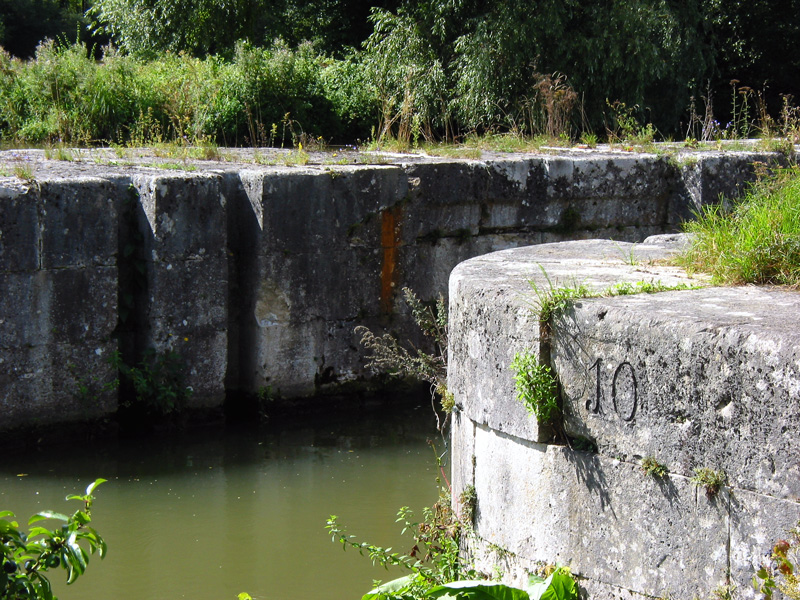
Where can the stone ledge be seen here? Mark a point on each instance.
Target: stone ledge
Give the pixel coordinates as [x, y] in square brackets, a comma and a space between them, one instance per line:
[696, 378]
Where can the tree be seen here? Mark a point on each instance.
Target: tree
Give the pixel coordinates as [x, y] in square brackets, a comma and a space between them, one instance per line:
[646, 53]
[202, 27]
[25, 23]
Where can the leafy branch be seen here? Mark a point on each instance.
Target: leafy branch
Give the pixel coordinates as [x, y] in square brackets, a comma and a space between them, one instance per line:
[27, 556]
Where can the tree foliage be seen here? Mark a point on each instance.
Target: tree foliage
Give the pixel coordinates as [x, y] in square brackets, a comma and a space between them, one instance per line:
[415, 69]
[25, 23]
[202, 27]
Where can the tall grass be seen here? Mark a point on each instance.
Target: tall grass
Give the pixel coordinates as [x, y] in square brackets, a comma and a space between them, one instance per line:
[262, 96]
[757, 241]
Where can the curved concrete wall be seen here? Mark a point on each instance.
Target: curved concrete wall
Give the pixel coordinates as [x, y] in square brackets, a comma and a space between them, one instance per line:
[257, 276]
[694, 378]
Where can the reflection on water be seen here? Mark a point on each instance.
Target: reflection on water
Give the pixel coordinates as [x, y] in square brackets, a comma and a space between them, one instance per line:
[210, 514]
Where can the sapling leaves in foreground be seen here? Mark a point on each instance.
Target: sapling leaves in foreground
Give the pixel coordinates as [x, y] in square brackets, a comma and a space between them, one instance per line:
[27, 556]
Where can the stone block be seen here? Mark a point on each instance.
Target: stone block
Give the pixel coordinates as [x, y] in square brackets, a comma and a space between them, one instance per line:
[493, 316]
[712, 177]
[757, 522]
[68, 306]
[602, 517]
[286, 357]
[185, 216]
[19, 232]
[694, 378]
[702, 378]
[307, 286]
[83, 304]
[187, 312]
[56, 383]
[205, 357]
[491, 319]
[311, 208]
[610, 176]
[518, 179]
[185, 296]
[78, 221]
[25, 318]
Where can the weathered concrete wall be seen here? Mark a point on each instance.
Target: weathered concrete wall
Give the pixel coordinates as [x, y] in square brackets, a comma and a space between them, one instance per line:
[258, 275]
[58, 306]
[698, 378]
[181, 221]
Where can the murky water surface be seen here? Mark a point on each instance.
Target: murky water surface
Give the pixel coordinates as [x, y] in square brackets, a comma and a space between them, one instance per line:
[211, 514]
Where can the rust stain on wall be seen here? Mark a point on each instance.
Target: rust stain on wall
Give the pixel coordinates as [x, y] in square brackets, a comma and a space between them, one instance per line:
[390, 240]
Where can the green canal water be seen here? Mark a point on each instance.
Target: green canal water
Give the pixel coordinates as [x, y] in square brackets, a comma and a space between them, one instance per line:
[210, 514]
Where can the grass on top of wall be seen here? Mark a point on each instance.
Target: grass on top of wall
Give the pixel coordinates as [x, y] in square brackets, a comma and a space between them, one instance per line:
[756, 241]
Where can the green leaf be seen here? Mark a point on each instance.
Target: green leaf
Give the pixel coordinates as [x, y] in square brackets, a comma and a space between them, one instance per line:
[477, 590]
[6, 513]
[47, 514]
[81, 517]
[34, 531]
[76, 562]
[93, 486]
[400, 585]
[559, 586]
[8, 527]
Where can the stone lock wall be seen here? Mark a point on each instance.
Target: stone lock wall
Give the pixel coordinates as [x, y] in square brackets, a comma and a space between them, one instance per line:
[257, 276]
[58, 306]
[694, 378]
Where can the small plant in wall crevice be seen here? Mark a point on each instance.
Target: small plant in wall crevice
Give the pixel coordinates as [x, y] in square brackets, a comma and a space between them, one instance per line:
[652, 468]
[713, 481]
[536, 386]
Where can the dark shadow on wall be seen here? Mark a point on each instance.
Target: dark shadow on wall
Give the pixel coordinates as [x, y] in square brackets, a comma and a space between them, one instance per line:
[135, 236]
[243, 247]
[589, 471]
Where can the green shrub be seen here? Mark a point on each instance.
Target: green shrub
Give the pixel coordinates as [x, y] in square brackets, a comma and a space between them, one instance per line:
[64, 95]
[437, 568]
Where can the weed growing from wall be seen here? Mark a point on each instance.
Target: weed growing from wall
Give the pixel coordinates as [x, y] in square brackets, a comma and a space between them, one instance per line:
[158, 382]
[536, 386]
[652, 468]
[713, 481]
[388, 356]
[468, 501]
[553, 299]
